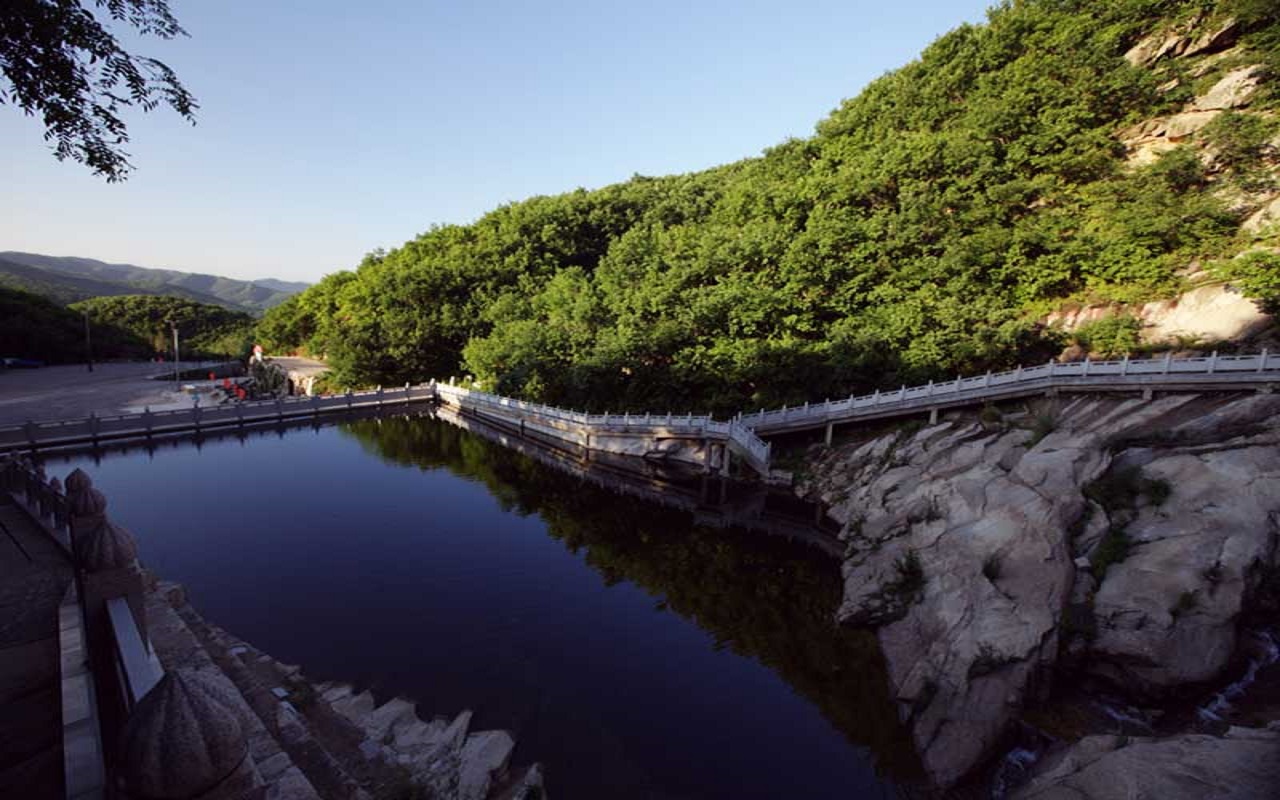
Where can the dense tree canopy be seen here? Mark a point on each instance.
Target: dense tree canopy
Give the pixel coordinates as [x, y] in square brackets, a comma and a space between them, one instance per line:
[60, 61]
[921, 232]
[140, 326]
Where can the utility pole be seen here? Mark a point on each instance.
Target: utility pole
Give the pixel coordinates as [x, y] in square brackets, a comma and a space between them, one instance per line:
[175, 354]
[88, 343]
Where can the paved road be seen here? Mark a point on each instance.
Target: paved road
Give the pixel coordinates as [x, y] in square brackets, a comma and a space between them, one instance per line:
[71, 392]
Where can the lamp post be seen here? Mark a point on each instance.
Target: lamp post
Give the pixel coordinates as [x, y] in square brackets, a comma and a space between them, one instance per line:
[175, 354]
[88, 343]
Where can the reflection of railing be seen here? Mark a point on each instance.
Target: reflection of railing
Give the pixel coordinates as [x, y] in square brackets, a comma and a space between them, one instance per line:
[136, 667]
[1125, 374]
[626, 476]
[576, 425]
[99, 428]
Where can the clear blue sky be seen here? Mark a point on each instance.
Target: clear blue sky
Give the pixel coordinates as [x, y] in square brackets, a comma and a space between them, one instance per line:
[327, 129]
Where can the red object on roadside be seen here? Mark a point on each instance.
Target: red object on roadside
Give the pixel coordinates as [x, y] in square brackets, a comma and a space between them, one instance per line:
[212, 377]
[226, 383]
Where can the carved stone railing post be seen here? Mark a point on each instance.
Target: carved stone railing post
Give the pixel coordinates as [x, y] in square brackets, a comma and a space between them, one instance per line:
[184, 739]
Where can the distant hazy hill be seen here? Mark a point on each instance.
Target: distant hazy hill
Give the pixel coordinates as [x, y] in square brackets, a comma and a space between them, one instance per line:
[68, 279]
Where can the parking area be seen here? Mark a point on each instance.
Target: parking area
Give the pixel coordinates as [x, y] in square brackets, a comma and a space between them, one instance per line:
[71, 392]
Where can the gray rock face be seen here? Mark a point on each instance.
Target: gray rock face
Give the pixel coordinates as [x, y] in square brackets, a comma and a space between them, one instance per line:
[966, 545]
[441, 754]
[182, 739]
[1166, 614]
[1238, 766]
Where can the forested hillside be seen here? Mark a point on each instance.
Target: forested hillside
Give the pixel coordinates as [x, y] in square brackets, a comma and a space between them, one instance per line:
[68, 279]
[922, 231]
[140, 326]
[126, 327]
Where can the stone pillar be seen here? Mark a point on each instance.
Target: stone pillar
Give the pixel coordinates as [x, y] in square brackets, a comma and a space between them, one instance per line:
[85, 505]
[827, 434]
[107, 558]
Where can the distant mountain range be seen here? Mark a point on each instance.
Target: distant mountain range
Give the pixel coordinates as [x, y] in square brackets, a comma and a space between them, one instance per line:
[68, 279]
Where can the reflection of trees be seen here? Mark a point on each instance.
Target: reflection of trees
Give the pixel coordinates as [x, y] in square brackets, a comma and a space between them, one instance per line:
[763, 597]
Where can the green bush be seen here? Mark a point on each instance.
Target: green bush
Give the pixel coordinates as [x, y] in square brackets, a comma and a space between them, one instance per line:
[1258, 275]
[1111, 337]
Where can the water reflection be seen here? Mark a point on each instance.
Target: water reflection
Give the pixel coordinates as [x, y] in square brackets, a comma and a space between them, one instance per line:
[762, 597]
[635, 652]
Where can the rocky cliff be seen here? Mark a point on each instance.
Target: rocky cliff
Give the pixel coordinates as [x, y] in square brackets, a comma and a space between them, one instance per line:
[1123, 540]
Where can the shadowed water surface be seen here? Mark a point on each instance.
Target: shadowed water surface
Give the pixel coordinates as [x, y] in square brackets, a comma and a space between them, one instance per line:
[633, 653]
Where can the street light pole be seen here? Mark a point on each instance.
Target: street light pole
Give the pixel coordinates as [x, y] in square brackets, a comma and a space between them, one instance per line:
[175, 354]
[88, 343]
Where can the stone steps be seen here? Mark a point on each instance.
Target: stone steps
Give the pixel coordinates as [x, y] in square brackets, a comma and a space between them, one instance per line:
[345, 745]
[177, 646]
[442, 754]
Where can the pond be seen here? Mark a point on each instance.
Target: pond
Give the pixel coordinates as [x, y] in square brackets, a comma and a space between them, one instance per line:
[632, 652]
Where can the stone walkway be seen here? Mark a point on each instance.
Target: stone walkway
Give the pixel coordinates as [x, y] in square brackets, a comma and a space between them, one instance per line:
[34, 577]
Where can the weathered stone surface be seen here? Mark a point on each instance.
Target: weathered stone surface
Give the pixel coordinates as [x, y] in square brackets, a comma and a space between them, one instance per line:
[1214, 38]
[1192, 38]
[1212, 312]
[77, 481]
[1266, 216]
[964, 547]
[106, 546]
[484, 756]
[1238, 766]
[1235, 90]
[183, 739]
[1166, 614]
[88, 502]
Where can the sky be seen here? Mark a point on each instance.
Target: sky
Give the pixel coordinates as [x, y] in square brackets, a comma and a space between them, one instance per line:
[328, 129]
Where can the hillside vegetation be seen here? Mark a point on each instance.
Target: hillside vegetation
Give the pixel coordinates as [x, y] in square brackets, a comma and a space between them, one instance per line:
[127, 327]
[68, 279]
[140, 326]
[921, 232]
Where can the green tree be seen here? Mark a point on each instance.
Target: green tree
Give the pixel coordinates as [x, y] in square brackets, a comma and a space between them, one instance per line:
[61, 62]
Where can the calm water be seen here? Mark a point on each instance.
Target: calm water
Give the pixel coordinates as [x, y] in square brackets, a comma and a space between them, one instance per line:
[633, 653]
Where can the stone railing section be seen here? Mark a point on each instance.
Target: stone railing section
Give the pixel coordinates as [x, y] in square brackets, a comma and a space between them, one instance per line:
[41, 498]
[102, 428]
[578, 426]
[137, 670]
[1124, 374]
[740, 434]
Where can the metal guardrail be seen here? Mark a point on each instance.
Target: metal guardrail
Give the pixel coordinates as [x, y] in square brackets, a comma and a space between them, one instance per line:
[1125, 372]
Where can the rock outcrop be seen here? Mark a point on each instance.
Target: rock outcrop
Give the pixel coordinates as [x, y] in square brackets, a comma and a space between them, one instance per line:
[1130, 533]
[1240, 765]
[1213, 312]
